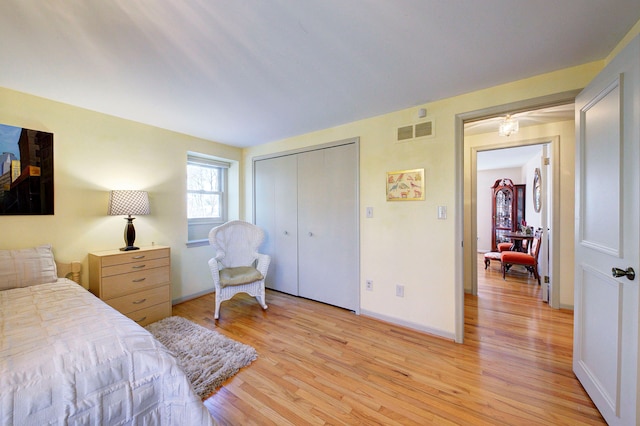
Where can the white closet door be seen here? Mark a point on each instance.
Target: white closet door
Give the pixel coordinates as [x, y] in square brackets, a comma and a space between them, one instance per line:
[327, 226]
[276, 213]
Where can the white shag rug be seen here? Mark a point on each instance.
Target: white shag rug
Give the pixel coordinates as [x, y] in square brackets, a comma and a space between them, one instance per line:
[207, 357]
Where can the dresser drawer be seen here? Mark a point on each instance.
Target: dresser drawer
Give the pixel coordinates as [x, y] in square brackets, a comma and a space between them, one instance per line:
[151, 314]
[136, 283]
[134, 256]
[141, 265]
[120, 285]
[141, 300]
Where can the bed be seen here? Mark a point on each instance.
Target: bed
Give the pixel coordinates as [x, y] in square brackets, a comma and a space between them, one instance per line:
[68, 358]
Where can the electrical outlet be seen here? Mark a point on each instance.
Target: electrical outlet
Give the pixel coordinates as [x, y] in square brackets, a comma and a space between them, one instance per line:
[400, 290]
[369, 285]
[369, 212]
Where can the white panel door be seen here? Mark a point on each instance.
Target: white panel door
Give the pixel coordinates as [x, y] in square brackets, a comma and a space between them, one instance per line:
[327, 226]
[608, 236]
[276, 201]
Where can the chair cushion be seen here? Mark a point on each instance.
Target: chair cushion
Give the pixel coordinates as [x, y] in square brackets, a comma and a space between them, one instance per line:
[239, 275]
[518, 258]
[493, 255]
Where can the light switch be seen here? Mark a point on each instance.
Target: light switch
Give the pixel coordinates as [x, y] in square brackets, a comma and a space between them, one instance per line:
[442, 212]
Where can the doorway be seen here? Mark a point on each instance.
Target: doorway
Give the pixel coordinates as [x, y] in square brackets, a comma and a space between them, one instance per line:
[466, 263]
[520, 164]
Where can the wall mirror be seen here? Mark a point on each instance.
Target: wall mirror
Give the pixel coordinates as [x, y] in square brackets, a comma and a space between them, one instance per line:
[537, 201]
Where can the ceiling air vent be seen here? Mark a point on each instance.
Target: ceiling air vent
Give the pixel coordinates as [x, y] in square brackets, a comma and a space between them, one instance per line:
[424, 129]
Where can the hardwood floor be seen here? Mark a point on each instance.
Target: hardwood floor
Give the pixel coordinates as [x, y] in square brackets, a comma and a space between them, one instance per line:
[320, 365]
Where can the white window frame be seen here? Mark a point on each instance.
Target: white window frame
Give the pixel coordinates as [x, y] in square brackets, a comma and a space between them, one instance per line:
[198, 228]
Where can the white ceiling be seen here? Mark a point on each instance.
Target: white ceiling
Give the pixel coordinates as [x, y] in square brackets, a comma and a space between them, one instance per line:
[506, 158]
[519, 156]
[525, 119]
[247, 72]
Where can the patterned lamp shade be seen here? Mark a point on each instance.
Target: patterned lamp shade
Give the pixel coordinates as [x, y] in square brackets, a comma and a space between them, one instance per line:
[128, 203]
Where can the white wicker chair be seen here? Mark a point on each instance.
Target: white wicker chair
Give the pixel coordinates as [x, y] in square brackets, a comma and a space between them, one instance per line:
[237, 266]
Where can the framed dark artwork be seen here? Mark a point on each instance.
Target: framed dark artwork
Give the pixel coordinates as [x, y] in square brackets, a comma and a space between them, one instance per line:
[26, 171]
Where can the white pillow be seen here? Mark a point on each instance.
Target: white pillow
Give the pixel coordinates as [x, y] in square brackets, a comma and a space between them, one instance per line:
[26, 267]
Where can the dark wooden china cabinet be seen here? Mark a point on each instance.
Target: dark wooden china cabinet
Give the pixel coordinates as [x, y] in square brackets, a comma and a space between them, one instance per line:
[508, 210]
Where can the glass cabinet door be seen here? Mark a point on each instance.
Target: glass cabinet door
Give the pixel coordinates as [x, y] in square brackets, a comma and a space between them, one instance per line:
[504, 208]
[508, 210]
[519, 205]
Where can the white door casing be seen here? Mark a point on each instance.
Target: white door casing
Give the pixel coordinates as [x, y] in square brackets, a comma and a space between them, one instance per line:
[607, 236]
[543, 256]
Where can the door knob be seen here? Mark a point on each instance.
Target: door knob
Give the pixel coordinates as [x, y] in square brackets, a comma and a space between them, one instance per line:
[286, 233]
[311, 234]
[629, 273]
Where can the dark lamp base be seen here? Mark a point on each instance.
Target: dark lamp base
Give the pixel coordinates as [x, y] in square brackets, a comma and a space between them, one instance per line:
[129, 235]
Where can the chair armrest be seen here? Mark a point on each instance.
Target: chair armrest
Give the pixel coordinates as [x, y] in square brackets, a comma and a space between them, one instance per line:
[263, 263]
[215, 271]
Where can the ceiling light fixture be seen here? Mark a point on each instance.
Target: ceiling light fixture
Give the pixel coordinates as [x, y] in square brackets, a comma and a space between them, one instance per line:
[509, 126]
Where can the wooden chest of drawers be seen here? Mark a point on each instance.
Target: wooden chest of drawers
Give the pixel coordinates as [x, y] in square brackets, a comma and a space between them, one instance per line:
[137, 283]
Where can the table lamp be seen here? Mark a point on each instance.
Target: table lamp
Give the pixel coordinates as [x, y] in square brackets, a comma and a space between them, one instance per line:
[129, 203]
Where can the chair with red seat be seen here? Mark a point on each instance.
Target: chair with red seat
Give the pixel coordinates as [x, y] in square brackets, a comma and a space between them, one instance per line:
[528, 260]
[495, 255]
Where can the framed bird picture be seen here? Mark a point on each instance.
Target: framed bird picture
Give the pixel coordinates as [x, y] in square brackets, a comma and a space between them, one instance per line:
[405, 185]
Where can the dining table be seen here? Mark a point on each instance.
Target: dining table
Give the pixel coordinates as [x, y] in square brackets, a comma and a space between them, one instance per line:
[517, 238]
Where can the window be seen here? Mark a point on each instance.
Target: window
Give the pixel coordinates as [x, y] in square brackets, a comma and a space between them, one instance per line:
[206, 194]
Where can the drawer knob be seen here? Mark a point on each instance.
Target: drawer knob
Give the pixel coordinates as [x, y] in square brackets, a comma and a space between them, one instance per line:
[141, 256]
[141, 319]
[137, 302]
[139, 280]
[138, 266]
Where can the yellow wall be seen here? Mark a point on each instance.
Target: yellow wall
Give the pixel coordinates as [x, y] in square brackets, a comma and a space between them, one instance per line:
[94, 153]
[405, 243]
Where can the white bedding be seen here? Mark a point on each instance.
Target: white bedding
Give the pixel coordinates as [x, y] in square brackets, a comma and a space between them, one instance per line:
[67, 358]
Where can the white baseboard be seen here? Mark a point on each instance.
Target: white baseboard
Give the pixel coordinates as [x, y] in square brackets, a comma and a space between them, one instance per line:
[408, 324]
[191, 296]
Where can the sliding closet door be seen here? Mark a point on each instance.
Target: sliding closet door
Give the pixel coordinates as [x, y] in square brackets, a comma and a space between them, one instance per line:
[276, 213]
[327, 226]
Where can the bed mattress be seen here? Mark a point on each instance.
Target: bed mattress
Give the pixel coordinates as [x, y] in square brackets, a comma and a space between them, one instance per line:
[68, 358]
